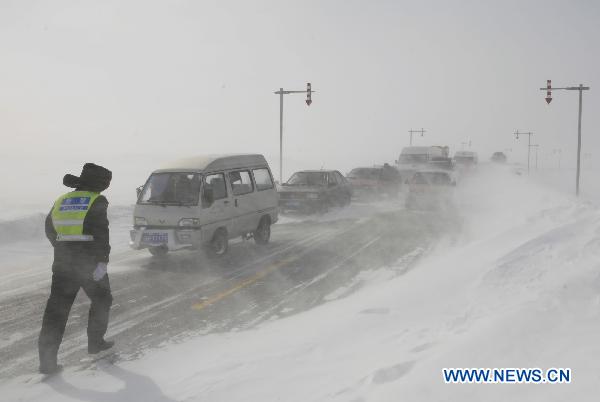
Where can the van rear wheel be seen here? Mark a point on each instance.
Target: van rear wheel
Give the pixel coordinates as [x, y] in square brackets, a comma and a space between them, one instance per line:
[219, 244]
[262, 234]
[158, 251]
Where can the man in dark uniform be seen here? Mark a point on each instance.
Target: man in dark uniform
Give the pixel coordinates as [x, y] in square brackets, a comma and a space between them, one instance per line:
[77, 227]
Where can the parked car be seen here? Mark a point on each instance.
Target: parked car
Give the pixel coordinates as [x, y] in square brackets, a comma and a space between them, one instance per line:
[374, 182]
[205, 201]
[499, 157]
[431, 189]
[314, 191]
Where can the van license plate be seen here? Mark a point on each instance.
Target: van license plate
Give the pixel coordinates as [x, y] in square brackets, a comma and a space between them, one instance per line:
[155, 238]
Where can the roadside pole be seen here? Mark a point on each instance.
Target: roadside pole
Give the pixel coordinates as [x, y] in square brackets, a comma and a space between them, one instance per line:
[281, 92]
[529, 134]
[548, 98]
[579, 141]
[536, 146]
[280, 135]
[559, 152]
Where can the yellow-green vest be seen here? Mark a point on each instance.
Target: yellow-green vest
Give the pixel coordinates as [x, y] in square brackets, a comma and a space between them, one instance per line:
[69, 213]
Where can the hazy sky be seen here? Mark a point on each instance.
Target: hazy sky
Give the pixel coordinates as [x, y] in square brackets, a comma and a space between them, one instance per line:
[103, 80]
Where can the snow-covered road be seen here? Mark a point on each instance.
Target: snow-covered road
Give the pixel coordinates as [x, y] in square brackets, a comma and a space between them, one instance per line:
[185, 294]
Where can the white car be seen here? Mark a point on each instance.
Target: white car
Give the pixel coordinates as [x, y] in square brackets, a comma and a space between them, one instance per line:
[205, 201]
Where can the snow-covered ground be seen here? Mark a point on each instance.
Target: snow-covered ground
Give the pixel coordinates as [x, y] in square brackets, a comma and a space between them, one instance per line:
[519, 287]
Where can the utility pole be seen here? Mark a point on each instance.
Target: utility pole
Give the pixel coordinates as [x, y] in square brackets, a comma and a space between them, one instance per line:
[281, 92]
[529, 134]
[536, 146]
[559, 152]
[411, 131]
[579, 88]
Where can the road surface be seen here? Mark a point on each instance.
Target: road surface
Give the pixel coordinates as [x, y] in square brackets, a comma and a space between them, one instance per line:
[309, 261]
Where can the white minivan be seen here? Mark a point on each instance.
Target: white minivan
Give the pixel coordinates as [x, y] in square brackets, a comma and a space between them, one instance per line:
[205, 201]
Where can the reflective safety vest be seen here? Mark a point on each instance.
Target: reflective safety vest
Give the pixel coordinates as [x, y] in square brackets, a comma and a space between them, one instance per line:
[69, 213]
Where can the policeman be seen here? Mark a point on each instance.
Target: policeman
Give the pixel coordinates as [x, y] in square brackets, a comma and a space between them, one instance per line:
[77, 227]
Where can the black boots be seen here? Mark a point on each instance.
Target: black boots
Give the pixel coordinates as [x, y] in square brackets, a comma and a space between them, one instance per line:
[48, 357]
[97, 347]
[50, 369]
[48, 360]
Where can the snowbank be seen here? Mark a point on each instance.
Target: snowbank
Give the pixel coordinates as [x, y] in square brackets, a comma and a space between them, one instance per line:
[30, 227]
[519, 288]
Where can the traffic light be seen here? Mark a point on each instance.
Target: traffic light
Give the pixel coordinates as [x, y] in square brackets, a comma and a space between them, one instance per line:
[308, 94]
[548, 91]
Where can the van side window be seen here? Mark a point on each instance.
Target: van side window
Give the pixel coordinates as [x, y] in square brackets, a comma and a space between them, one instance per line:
[216, 182]
[241, 183]
[263, 179]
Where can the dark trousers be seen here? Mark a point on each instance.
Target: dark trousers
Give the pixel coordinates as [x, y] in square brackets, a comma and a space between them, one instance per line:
[62, 295]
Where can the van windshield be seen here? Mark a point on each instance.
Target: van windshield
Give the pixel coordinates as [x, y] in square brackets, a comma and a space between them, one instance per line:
[171, 189]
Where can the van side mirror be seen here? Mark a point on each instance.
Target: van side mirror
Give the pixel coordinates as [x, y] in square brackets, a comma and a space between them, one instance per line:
[208, 197]
[139, 191]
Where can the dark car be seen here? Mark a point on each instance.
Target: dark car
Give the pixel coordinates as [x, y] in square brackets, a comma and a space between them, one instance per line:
[499, 157]
[314, 191]
[366, 182]
[374, 182]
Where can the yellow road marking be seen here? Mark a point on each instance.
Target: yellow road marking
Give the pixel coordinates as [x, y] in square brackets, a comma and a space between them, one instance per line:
[243, 284]
[261, 274]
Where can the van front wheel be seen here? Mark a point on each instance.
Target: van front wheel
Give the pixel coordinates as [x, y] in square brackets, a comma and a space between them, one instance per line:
[262, 234]
[220, 243]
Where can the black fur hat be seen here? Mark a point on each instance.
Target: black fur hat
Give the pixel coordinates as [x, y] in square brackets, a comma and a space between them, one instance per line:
[92, 178]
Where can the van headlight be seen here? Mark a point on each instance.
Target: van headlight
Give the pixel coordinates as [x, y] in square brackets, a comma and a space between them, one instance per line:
[189, 222]
[139, 221]
[313, 196]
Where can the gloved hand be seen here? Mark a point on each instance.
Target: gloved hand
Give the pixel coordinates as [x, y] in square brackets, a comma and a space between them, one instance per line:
[100, 271]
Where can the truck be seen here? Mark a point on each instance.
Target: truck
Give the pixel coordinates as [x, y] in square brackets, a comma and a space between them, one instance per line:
[412, 159]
